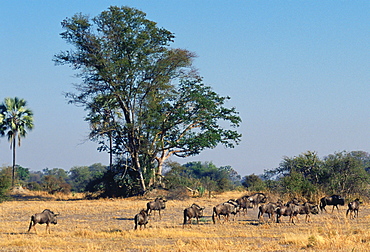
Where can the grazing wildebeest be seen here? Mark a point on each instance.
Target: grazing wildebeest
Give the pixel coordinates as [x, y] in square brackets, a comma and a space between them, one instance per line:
[333, 200]
[156, 205]
[46, 216]
[269, 208]
[307, 209]
[257, 199]
[235, 203]
[141, 219]
[194, 211]
[224, 209]
[353, 208]
[284, 211]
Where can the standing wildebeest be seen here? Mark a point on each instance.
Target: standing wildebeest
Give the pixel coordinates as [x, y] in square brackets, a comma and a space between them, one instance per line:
[257, 199]
[353, 207]
[156, 205]
[46, 216]
[194, 211]
[141, 219]
[244, 204]
[269, 208]
[333, 200]
[284, 211]
[307, 209]
[224, 209]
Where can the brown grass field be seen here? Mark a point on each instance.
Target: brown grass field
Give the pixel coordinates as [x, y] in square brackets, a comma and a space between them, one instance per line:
[107, 225]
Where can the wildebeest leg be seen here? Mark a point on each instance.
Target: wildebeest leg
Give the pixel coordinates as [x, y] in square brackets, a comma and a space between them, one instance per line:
[272, 217]
[336, 207]
[47, 228]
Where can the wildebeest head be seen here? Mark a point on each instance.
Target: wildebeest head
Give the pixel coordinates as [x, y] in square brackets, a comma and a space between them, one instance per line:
[51, 215]
[257, 198]
[162, 202]
[314, 209]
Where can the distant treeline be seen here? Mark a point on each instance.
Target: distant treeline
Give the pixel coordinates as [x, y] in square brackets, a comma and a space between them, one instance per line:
[305, 176]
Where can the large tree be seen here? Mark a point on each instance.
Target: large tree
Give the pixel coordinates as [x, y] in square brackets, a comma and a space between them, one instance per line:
[143, 98]
[15, 120]
[189, 121]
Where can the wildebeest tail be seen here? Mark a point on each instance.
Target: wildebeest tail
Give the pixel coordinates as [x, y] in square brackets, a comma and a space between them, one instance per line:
[31, 222]
[185, 219]
[213, 215]
[136, 220]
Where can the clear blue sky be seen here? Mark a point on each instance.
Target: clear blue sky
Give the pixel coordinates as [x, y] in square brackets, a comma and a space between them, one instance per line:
[297, 71]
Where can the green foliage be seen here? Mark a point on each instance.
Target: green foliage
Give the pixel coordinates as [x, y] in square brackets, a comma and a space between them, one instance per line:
[55, 180]
[254, 183]
[305, 175]
[347, 172]
[201, 176]
[5, 182]
[80, 177]
[23, 174]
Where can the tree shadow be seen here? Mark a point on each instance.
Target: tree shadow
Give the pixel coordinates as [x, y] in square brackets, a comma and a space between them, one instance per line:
[131, 219]
[22, 197]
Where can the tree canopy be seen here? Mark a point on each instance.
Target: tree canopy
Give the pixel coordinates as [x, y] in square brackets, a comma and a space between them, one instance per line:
[307, 174]
[144, 99]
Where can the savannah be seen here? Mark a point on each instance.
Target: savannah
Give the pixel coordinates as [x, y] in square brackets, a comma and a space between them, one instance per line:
[108, 225]
[145, 103]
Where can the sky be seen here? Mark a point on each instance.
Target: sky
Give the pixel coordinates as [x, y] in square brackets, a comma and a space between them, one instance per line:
[296, 71]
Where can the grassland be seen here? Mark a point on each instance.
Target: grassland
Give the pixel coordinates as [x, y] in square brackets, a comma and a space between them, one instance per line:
[107, 225]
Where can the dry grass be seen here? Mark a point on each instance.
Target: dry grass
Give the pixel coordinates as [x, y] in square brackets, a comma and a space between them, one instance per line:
[107, 225]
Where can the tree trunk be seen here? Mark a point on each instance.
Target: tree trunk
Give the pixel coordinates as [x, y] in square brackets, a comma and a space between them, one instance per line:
[110, 151]
[13, 168]
[141, 177]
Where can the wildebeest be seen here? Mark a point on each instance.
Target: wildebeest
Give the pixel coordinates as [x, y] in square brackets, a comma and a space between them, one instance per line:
[333, 200]
[157, 205]
[194, 211]
[269, 208]
[284, 211]
[244, 204]
[237, 206]
[46, 216]
[224, 209]
[257, 199]
[141, 219]
[353, 208]
[307, 209]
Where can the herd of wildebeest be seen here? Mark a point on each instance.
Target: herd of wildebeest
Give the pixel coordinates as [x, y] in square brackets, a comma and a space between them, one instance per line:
[229, 208]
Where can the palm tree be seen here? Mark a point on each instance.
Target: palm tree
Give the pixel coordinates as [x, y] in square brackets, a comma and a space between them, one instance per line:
[15, 120]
